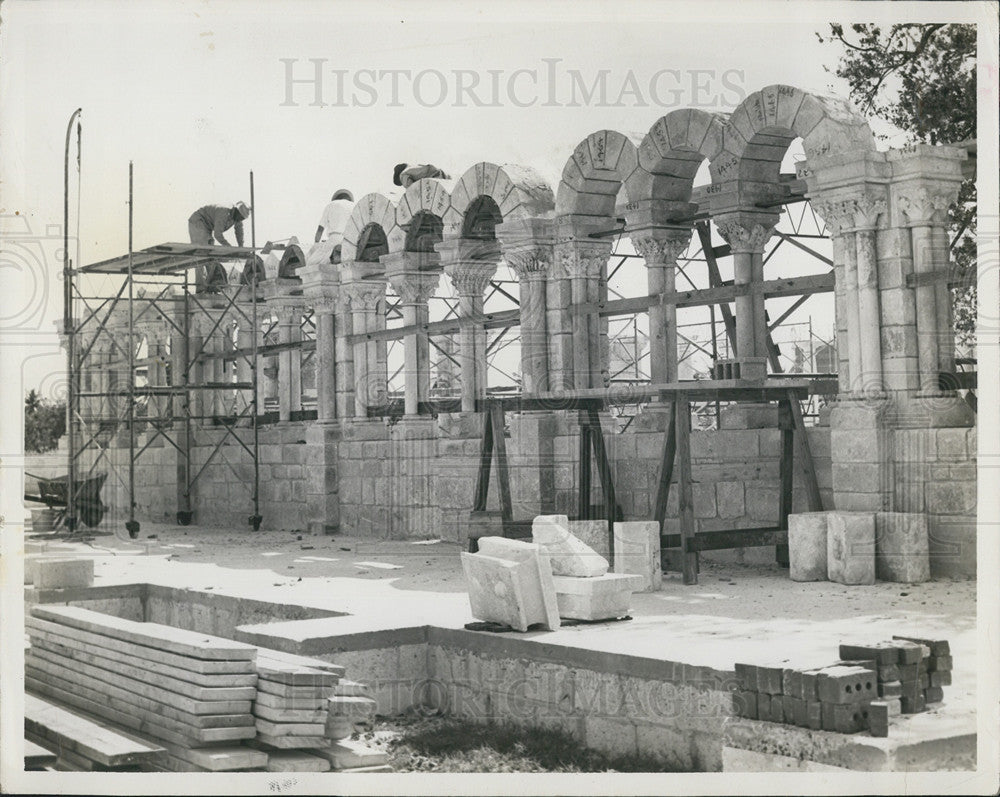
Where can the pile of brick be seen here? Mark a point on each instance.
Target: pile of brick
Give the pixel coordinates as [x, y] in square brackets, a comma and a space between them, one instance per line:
[870, 684]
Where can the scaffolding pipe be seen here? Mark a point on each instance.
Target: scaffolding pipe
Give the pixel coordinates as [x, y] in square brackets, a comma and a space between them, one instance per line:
[69, 331]
[131, 526]
[255, 518]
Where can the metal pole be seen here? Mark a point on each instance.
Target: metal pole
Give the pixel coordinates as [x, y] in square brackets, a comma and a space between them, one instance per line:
[131, 525]
[70, 333]
[255, 518]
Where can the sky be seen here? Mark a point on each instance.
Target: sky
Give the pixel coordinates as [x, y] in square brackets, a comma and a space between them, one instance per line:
[196, 94]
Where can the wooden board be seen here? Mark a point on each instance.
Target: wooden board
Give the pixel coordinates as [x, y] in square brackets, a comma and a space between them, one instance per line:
[157, 727]
[112, 683]
[294, 675]
[291, 742]
[150, 676]
[154, 635]
[131, 703]
[293, 761]
[272, 714]
[36, 756]
[268, 700]
[220, 759]
[197, 667]
[280, 657]
[85, 736]
[290, 728]
[295, 692]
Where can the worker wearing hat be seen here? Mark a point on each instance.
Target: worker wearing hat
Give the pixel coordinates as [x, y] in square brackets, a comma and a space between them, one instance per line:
[208, 223]
[406, 175]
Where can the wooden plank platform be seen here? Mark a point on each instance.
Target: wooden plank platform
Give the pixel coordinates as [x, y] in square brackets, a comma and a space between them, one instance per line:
[36, 756]
[84, 736]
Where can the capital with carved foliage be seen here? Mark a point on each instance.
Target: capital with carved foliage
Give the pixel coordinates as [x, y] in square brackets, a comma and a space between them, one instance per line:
[744, 232]
[924, 206]
[661, 247]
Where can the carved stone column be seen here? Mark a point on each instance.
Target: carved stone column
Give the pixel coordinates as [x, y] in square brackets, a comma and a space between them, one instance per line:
[321, 288]
[365, 299]
[867, 208]
[839, 219]
[414, 277]
[746, 234]
[584, 262]
[660, 249]
[288, 307]
[470, 265]
[926, 209]
[527, 249]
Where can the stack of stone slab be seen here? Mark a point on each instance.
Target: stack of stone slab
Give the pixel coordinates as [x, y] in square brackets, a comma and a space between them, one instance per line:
[520, 584]
[584, 588]
[855, 548]
[870, 684]
[188, 691]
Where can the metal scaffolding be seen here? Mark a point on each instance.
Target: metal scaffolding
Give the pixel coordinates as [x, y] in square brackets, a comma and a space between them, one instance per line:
[119, 385]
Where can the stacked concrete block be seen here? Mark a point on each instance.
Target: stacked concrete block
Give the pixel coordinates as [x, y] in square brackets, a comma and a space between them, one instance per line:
[832, 698]
[49, 573]
[637, 552]
[870, 684]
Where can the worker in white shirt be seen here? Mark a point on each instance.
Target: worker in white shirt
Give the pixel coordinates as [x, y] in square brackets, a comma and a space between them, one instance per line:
[335, 216]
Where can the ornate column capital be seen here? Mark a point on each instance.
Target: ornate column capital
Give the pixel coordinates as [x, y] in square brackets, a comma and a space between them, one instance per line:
[661, 246]
[837, 213]
[867, 208]
[414, 287]
[363, 294]
[925, 206]
[470, 277]
[577, 258]
[744, 233]
[529, 260]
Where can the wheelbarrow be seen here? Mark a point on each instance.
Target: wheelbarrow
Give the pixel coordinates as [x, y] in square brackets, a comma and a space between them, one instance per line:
[87, 492]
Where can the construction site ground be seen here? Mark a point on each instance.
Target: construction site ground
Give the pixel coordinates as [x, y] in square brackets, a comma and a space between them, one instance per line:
[736, 613]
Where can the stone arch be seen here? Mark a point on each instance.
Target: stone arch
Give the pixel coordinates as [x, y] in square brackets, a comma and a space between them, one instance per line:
[673, 150]
[372, 210]
[424, 198]
[759, 131]
[517, 191]
[600, 166]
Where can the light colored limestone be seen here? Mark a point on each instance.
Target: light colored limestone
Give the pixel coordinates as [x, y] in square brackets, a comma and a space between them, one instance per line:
[850, 548]
[637, 552]
[509, 591]
[598, 598]
[593, 533]
[568, 555]
[901, 547]
[807, 546]
[538, 591]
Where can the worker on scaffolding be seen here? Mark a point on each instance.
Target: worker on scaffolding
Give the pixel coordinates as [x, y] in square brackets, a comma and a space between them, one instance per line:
[406, 175]
[333, 223]
[208, 223]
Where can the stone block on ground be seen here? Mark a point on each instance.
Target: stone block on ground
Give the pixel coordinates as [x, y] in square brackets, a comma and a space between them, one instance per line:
[515, 593]
[902, 551]
[538, 592]
[568, 555]
[850, 548]
[807, 546]
[61, 573]
[600, 598]
[637, 552]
